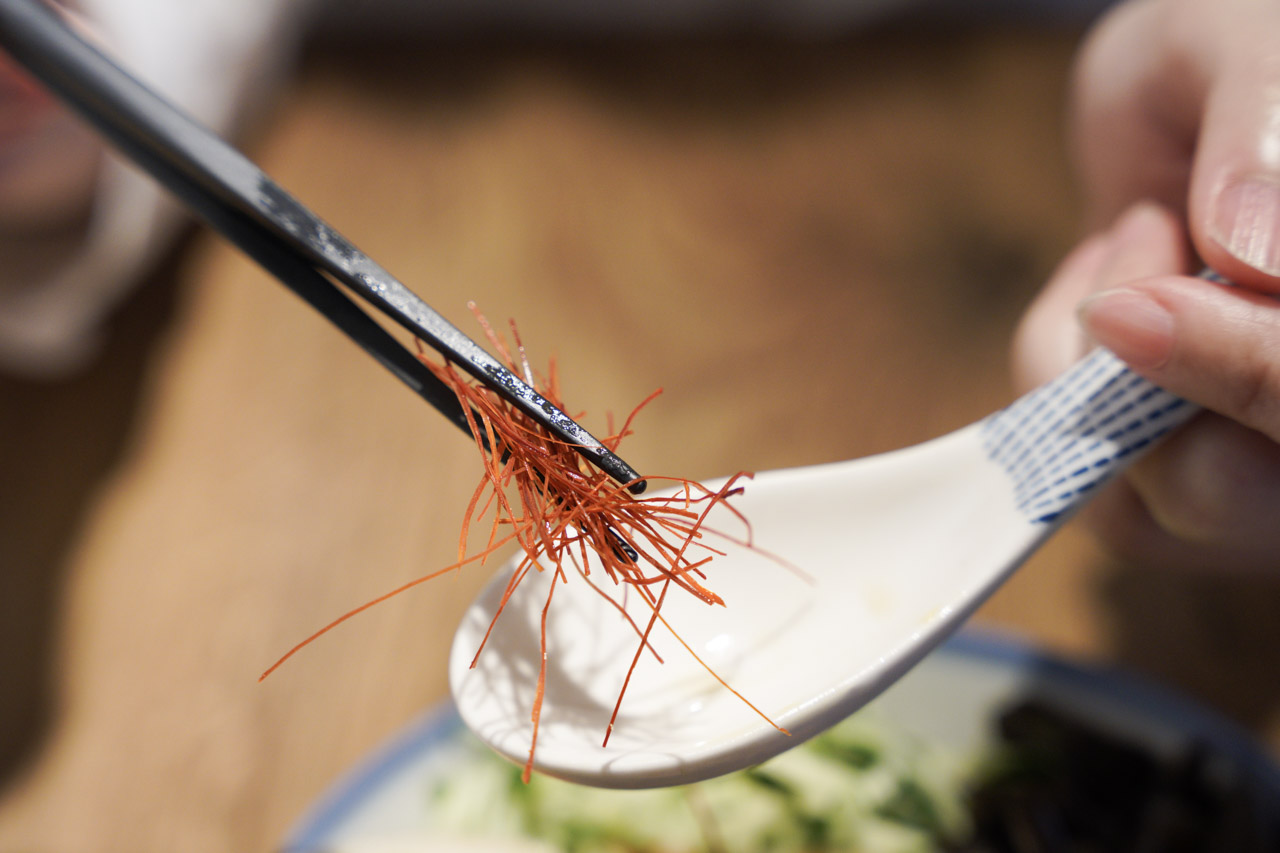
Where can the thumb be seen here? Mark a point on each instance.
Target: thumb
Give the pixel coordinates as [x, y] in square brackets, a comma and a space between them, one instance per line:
[1234, 205]
[1212, 344]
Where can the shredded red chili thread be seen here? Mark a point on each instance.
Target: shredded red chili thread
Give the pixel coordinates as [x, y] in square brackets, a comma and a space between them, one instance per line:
[538, 491]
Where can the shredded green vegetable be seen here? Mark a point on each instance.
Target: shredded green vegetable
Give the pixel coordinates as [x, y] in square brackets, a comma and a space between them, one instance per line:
[858, 787]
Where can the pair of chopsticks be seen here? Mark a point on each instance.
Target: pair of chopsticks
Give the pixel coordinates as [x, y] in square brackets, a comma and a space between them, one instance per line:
[242, 203]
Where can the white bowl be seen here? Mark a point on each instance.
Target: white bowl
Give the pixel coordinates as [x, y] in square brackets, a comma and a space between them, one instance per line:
[950, 699]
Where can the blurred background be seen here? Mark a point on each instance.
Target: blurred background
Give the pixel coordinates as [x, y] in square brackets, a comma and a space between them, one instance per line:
[814, 229]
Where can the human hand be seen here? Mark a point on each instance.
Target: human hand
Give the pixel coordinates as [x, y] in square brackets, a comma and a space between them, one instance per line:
[48, 161]
[1178, 102]
[79, 228]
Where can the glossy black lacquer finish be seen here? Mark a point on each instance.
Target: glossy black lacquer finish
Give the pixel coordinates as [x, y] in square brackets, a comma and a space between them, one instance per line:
[240, 201]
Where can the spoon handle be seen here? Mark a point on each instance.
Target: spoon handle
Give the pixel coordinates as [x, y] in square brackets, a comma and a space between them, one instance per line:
[1064, 439]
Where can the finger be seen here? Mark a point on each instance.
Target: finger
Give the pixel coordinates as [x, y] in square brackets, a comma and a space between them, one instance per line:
[1048, 340]
[1146, 241]
[1178, 101]
[1137, 99]
[1215, 484]
[1235, 188]
[1204, 499]
[1215, 345]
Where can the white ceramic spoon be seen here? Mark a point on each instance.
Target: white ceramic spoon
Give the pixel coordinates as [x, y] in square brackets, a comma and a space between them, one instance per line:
[901, 548]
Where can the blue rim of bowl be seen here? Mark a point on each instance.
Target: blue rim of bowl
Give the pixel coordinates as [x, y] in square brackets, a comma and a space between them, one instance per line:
[352, 790]
[1124, 688]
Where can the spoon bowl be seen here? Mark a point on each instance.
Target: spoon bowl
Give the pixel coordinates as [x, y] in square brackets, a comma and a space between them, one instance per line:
[893, 552]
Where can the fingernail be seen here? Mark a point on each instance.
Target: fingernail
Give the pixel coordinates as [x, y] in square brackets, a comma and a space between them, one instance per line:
[1131, 324]
[1246, 222]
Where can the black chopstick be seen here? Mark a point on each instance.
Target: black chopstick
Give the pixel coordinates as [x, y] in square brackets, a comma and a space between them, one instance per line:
[237, 199]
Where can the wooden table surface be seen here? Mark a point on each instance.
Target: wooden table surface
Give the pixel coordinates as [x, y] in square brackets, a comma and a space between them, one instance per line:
[817, 251]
